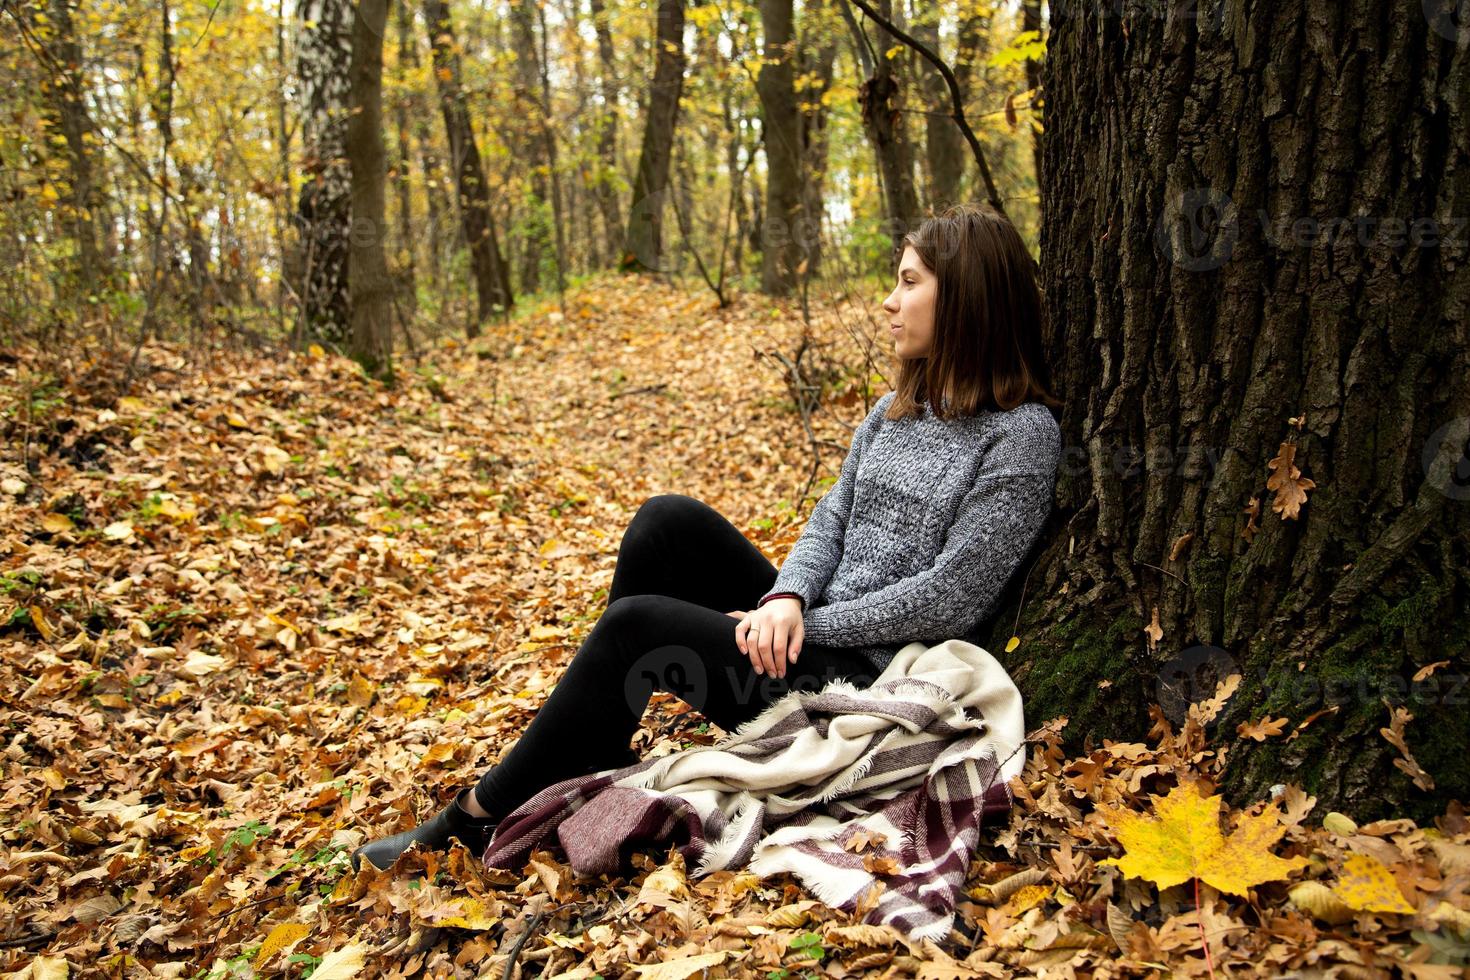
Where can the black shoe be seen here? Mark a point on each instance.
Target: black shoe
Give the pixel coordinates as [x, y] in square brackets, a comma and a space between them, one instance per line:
[434, 834]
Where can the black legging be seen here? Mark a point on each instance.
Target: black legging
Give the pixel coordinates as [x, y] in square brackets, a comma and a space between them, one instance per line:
[681, 569]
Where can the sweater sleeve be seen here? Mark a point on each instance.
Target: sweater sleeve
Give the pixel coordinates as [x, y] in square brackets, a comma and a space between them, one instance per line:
[998, 520]
[814, 557]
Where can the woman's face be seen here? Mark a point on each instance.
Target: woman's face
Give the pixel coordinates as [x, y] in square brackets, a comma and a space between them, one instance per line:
[910, 307]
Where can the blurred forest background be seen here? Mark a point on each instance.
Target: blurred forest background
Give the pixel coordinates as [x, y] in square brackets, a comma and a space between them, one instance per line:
[271, 170]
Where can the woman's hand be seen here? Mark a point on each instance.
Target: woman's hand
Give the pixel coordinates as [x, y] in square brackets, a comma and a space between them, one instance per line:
[771, 635]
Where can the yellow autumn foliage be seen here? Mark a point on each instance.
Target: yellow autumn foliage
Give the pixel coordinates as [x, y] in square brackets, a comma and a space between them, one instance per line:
[1182, 840]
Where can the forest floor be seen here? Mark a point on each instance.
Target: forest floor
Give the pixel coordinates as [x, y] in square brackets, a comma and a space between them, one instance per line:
[258, 610]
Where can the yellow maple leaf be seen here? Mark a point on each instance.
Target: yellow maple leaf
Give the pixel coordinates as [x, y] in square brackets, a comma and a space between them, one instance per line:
[1366, 885]
[472, 914]
[411, 704]
[439, 753]
[281, 937]
[1027, 897]
[1182, 840]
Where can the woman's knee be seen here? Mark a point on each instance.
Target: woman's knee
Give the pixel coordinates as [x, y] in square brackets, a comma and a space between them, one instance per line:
[627, 611]
[665, 509]
[644, 635]
[632, 622]
[659, 519]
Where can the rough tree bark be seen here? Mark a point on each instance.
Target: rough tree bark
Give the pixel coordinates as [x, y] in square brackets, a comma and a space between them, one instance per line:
[492, 278]
[643, 246]
[1258, 218]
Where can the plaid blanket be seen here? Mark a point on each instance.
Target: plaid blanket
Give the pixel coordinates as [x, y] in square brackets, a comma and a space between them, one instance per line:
[915, 762]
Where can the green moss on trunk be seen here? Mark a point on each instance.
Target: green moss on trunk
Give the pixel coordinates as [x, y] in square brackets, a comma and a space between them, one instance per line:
[1061, 673]
[1365, 659]
[1367, 668]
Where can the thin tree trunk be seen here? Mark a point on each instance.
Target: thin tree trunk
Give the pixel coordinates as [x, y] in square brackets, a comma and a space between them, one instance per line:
[530, 139]
[970, 54]
[819, 55]
[643, 247]
[372, 286]
[944, 144]
[72, 120]
[735, 142]
[1031, 21]
[784, 237]
[548, 142]
[438, 208]
[581, 236]
[880, 100]
[607, 185]
[404, 261]
[492, 281]
[163, 118]
[324, 208]
[280, 201]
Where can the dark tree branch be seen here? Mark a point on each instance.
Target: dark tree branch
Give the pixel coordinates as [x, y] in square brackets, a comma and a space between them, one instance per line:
[954, 96]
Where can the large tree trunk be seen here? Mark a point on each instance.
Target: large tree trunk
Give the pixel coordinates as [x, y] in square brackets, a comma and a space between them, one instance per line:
[782, 247]
[323, 211]
[643, 247]
[492, 279]
[372, 287]
[1201, 328]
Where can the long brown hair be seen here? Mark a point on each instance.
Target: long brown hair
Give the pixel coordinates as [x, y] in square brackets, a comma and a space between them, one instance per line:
[986, 350]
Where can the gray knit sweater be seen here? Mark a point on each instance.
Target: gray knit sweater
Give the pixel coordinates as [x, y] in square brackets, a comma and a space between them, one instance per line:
[923, 528]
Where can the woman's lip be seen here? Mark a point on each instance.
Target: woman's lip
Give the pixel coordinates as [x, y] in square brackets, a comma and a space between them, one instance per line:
[893, 329]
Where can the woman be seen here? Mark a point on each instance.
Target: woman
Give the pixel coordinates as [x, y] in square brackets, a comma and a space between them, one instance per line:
[947, 484]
